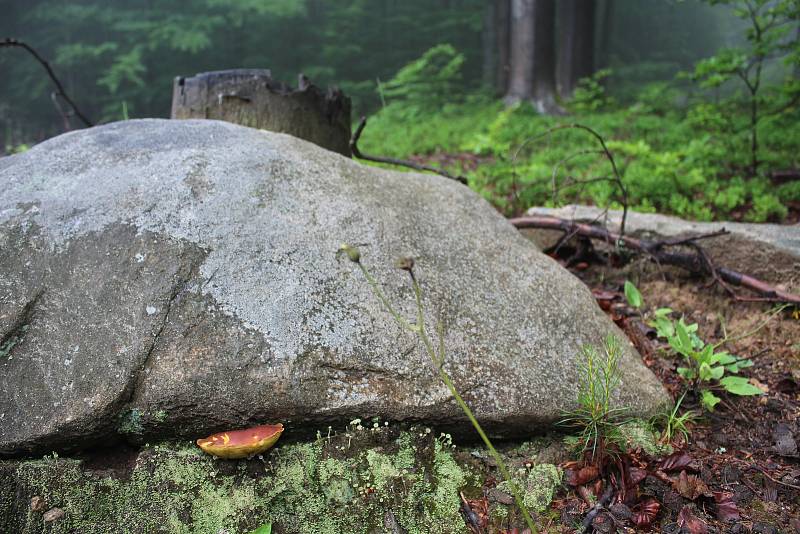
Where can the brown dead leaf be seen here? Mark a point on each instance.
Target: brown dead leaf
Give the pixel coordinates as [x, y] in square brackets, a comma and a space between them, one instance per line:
[635, 476]
[690, 486]
[690, 522]
[676, 461]
[581, 476]
[726, 506]
[476, 513]
[645, 512]
[760, 385]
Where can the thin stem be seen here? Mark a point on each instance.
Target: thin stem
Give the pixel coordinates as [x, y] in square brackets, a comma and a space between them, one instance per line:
[377, 290]
[423, 334]
[726, 339]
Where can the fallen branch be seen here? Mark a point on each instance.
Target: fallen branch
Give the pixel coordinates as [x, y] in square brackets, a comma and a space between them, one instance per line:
[696, 262]
[9, 42]
[392, 161]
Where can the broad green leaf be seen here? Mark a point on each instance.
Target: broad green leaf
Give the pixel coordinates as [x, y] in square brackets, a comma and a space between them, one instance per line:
[684, 343]
[687, 372]
[263, 529]
[738, 385]
[663, 327]
[709, 400]
[723, 358]
[632, 295]
[706, 355]
[711, 373]
[738, 365]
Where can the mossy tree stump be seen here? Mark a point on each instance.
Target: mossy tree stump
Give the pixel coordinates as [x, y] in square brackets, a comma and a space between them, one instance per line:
[251, 97]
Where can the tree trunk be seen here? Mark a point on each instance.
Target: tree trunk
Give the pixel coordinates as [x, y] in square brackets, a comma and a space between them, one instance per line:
[503, 36]
[488, 45]
[520, 79]
[532, 73]
[251, 97]
[544, 58]
[606, 28]
[576, 44]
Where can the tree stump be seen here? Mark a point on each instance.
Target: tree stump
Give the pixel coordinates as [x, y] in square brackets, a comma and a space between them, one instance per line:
[251, 97]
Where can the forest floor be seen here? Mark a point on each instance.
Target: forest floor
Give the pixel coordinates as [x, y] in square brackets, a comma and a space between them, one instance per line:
[740, 470]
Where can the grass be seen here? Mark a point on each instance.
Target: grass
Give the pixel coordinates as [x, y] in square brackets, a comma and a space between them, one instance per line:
[674, 423]
[596, 421]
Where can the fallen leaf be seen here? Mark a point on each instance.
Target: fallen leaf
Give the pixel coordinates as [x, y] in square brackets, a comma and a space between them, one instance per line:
[635, 476]
[581, 476]
[726, 506]
[645, 512]
[760, 385]
[53, 514]
[690, 486]
[37, 504]
[676, 461]
[476, 512]
[597, 488]
[690, 522]
[241, 443]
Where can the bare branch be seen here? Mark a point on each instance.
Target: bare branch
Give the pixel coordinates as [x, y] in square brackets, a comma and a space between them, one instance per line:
[392, 161]
[9, 42]
[617, 177]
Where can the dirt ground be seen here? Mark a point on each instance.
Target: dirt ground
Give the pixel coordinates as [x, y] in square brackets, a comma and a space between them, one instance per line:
[740, 471]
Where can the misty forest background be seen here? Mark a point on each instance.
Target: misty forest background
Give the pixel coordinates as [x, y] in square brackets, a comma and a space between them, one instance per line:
[698, 101]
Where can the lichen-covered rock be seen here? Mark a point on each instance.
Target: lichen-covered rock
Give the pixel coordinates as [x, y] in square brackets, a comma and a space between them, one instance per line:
[177, 278]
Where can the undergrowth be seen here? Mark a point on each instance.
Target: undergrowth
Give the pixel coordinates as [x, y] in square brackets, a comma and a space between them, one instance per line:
[672, 161]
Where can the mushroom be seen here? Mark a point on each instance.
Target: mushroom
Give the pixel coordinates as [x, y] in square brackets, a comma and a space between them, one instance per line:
[241, 443]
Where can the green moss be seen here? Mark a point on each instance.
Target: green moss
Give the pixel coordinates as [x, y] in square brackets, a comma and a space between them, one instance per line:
[640, 435]
[322, 487]
[539, 485]
[131, 422]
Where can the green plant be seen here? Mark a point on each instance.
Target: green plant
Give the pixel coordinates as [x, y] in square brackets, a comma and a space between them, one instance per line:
[597, 422]
[770, 35]
[706, 367]
[632, 295]
[590, 94]
[673, 423]
[437, 356]
[427, 82]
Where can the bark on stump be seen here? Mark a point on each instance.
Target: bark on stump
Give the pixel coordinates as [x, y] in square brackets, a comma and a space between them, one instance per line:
[251, 97]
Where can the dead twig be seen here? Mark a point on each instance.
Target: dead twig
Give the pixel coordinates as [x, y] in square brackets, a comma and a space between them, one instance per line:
[764, 472]
[9, 42]
[597, 508]
[604, 150]
[694, 262]
[392, 161]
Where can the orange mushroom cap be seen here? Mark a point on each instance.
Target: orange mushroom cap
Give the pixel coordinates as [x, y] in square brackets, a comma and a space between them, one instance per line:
[241, 443]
